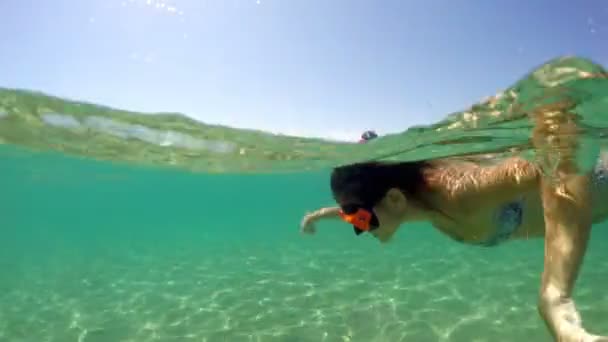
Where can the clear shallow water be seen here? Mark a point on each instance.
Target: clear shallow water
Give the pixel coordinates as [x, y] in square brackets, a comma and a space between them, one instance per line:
[102, 252]
[500, 124]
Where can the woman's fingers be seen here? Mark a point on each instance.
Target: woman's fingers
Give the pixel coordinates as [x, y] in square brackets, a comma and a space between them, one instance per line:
[307, 225]
[595, 338]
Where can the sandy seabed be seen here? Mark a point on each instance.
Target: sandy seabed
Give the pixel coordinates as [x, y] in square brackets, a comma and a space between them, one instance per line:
[293, 292]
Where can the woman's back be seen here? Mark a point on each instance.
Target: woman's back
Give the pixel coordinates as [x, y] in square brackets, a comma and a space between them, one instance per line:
[510, 209]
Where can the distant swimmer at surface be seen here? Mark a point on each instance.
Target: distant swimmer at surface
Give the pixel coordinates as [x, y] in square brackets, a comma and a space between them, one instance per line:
[487, 204]
[367, 136]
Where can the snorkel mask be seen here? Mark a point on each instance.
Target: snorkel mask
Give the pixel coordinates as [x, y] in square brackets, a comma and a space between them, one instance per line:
[363, 219]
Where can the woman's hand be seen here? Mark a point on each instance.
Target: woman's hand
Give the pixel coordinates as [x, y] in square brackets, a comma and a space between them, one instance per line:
[307, 225]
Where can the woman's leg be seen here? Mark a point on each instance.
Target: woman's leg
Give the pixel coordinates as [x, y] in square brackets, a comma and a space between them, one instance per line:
[567, 207]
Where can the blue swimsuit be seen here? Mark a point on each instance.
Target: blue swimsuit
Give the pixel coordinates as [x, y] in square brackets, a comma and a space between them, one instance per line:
[509, 217]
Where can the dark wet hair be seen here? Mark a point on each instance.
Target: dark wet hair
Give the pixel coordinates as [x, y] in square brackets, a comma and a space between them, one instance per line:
[367, 182]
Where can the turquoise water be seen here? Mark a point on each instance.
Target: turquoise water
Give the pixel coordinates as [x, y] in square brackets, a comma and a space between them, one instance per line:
[94, 251]
[123, 226]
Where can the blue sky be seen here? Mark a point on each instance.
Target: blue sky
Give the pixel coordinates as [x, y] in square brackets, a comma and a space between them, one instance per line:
[329, 68]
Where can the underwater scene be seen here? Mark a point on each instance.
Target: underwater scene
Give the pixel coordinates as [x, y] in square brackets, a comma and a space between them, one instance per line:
[120, 226]
[166, 168]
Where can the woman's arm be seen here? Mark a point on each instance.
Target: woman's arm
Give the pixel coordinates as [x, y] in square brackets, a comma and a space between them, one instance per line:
[567, 212]
[307, 225]
[567, 227]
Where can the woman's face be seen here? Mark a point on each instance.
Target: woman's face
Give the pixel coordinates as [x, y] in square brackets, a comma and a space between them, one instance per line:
[389, 223]
[389, 213]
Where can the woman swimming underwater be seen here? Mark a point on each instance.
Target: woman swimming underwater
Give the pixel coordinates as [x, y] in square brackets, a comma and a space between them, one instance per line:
[487, 205]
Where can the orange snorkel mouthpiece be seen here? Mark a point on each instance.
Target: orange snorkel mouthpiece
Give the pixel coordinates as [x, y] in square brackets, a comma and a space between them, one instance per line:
[361, 219]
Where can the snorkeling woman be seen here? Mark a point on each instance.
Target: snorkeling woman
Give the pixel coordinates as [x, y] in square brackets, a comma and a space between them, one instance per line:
[486, 205]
